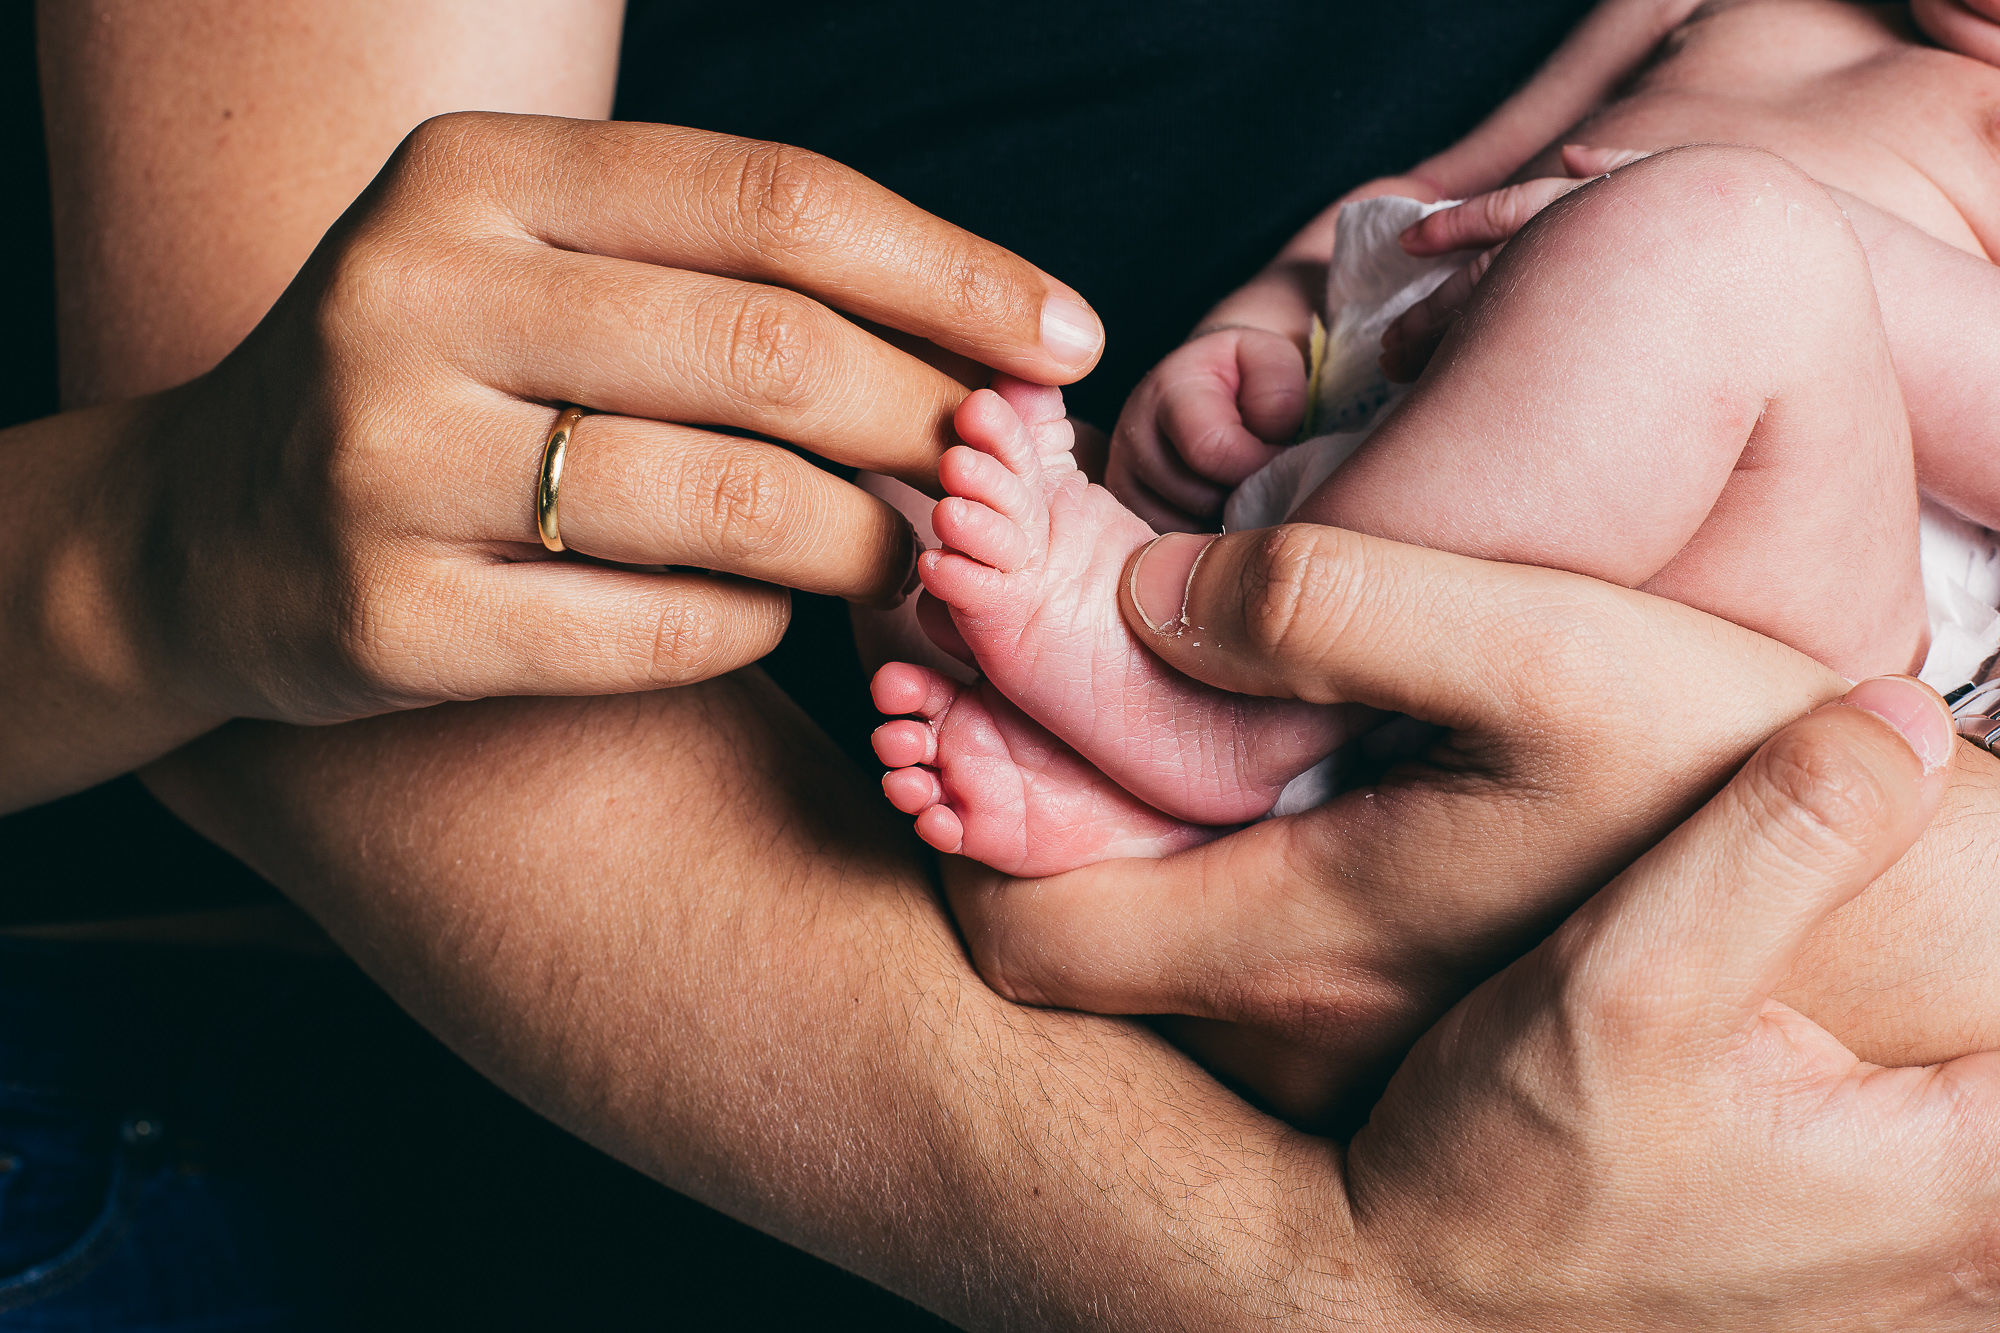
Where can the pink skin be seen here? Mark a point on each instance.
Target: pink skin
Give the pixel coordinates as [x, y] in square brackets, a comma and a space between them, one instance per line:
[1032, 560]
[984, 781]
[1217, 409]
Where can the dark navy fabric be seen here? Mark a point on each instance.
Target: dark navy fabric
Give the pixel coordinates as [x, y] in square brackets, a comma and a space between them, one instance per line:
[207, 1140]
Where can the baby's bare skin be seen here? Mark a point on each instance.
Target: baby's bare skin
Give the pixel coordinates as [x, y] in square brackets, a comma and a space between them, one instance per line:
[1847, 93]
[1841, 91]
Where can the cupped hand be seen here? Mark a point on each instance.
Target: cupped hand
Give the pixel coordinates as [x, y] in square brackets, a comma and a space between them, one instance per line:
[1579, 723]
[346, 521]
[1626, 1131]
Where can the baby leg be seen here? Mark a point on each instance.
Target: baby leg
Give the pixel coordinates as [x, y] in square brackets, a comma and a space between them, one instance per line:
[1676, 380]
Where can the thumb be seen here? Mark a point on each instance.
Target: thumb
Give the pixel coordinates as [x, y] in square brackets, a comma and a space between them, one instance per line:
[1703, 927]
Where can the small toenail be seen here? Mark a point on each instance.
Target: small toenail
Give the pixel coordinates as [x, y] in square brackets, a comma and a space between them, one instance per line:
[1160, 577]
[1070, 331]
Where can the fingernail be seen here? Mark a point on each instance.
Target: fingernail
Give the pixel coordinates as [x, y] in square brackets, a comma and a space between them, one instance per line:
[1160, 578]
[1914, 710]
[1396, 335]
[1070, 331]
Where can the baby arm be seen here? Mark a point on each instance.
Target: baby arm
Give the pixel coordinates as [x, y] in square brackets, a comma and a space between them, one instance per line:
[1969, 27]
[1218, 408]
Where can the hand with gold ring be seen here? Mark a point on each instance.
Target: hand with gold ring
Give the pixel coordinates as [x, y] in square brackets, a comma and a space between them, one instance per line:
[342, 518]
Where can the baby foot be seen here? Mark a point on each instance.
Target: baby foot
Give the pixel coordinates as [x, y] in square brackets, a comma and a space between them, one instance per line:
[1033, 555]
[985, 781]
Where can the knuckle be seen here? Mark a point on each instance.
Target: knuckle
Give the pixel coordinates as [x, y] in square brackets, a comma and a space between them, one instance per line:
[1607, 1002]
[767, 350]
[438, 157]
[1298, 588]
[684, 641]
[1497, 210]
[979, 289]
[1814, 798]
[444, 136]
[373, 276]
[379, 632]
[744, 500]
[789, 198]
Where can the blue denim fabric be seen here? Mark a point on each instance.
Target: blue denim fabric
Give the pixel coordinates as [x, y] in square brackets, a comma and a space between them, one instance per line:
[127, 1199]
[101, 1226]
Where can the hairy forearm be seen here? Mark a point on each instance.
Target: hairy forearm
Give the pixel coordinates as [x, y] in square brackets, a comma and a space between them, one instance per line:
[678, 924]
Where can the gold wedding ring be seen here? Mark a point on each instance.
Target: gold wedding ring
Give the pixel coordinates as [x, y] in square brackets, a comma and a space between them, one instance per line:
[550, 484]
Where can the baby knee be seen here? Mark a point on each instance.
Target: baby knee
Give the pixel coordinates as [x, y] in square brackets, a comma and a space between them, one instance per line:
[1723, 218]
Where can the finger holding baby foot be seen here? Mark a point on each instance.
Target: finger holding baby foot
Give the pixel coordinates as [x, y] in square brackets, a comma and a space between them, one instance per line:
[1344, 930]
[1032, 556]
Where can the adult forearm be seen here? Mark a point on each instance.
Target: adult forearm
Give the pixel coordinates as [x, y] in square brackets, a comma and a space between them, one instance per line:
[88, 693]
[680, 925]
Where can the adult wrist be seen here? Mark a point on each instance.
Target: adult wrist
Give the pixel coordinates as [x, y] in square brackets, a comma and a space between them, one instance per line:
[77, 559]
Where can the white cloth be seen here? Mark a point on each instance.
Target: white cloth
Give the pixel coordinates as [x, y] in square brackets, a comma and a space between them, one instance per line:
[1370, 281]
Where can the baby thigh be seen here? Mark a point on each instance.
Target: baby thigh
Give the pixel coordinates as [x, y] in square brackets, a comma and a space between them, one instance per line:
[1675, 379]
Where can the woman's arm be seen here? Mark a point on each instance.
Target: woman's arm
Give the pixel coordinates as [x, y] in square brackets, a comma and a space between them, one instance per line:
[199, 150]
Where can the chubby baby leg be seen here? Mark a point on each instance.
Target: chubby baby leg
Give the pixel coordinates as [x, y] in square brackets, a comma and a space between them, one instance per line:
[1675, 379]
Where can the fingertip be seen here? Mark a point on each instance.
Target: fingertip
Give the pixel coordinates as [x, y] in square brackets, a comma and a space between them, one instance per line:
[1415, 238]
[1915, 712]
[1072, 334]
[1158, 579]
[941, 829]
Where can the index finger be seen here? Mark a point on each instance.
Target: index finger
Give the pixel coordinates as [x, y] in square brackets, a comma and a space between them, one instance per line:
[742, 208]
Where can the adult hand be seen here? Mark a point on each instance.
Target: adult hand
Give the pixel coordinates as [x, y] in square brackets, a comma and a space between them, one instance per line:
[1583, 722]
[1625, 1130]
[345, 522]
